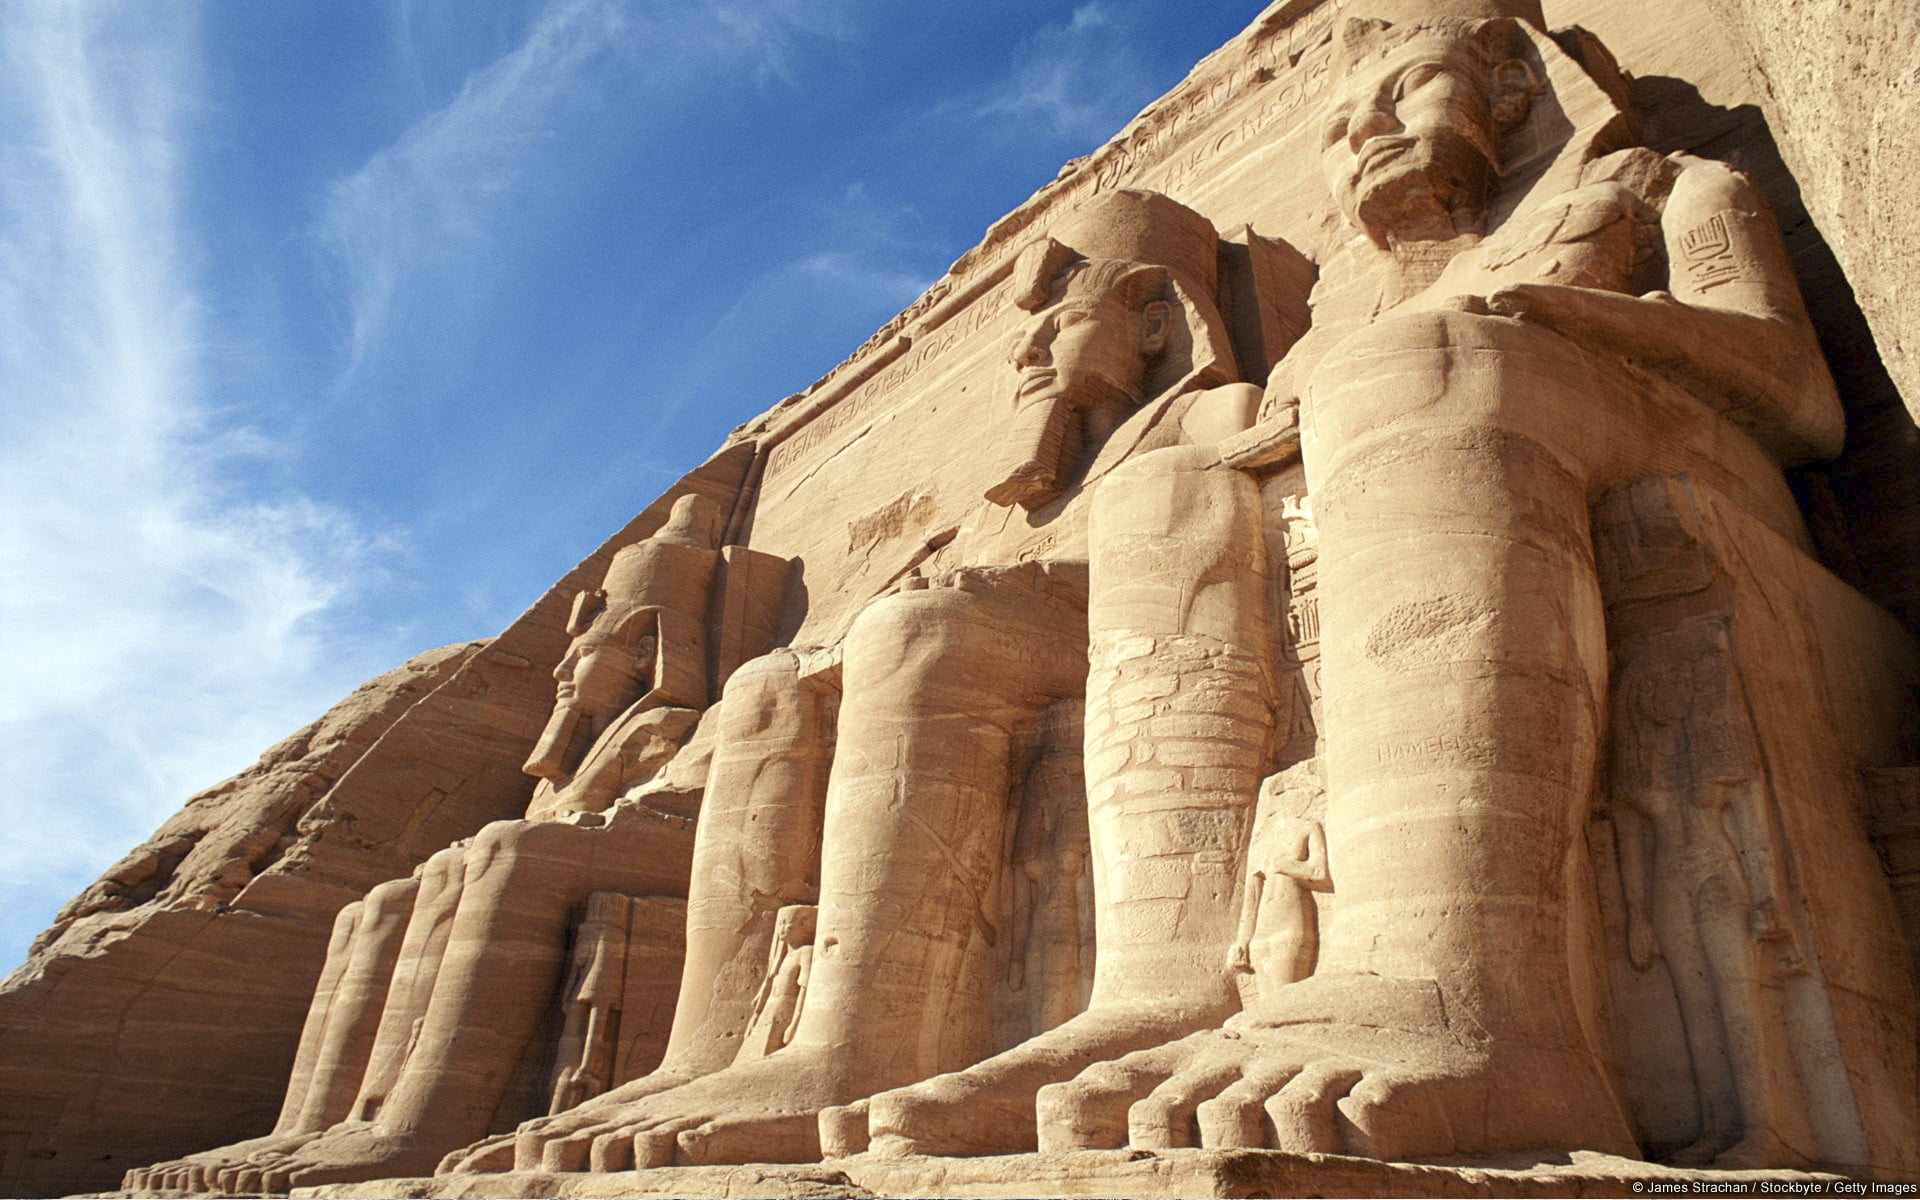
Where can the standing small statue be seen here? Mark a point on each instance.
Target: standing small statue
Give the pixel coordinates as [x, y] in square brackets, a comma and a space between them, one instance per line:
[1279, 939]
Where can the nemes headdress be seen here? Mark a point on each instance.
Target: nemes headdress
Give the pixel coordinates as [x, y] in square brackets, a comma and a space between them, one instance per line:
[1175, 251]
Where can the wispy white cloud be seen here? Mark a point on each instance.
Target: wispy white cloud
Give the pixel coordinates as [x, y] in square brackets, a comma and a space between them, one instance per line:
[416, 209]
[419, 214]
[864, 264]
[164, 618]
[1079, 79]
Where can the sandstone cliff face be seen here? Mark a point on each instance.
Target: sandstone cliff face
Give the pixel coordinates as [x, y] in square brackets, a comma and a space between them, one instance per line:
[202, 857]
[1839, 81]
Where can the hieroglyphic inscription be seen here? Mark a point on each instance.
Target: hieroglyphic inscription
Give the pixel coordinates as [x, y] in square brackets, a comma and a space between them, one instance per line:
[1708, 248]
[856, 410]
[1149, 143]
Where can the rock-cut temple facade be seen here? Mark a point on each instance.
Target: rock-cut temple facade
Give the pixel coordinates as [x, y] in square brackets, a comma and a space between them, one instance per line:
[1409, 688]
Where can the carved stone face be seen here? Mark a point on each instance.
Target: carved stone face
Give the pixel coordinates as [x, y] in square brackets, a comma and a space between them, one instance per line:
[1086, 348]
[1408, 139]
[599, 677]
[605, 670]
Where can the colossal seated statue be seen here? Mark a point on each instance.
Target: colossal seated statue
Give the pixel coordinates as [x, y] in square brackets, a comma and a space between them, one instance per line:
[1448, 752]
[949, 687]
[1527, 315]
[436, 988]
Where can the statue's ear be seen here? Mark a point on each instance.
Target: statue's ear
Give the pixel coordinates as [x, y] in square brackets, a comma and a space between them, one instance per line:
[1156, 326]
[1510, 90]
[638, 624]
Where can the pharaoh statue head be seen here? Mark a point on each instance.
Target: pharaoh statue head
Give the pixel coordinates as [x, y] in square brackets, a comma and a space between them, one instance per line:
[1121, 297]
[1411, 138]
[639, 638]
[1437, 106]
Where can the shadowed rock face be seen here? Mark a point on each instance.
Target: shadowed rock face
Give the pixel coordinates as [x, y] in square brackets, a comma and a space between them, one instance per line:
[1395, 673]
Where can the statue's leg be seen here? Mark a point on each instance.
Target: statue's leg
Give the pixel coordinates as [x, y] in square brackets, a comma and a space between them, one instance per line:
[1451, 460]
[936, 681]
[756, 848]
[348, 1054]
[1177, 736]
[334, 1042]
[413, 915]
[180, 1174]
[505, 951]
[756, 851]
[320, 1026]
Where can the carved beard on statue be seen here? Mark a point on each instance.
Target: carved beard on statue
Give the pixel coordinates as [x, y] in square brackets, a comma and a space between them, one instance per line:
[561, 745]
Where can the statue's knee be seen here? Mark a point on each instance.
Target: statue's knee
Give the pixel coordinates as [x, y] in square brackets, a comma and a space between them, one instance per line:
[927, 627]
[1169, 460]
[763, 698]
[1483, 386]
[502, 844]
[979, 637]
[394, 893]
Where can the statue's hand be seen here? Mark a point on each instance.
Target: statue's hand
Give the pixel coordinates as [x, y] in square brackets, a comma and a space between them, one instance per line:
[1567, 309]
[1274, 441]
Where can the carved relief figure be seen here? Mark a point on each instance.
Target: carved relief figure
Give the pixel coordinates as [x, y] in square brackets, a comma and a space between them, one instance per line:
[776, 1006]
[1279, 936]
[625, 958]
[1051, 957]
[1705, 889]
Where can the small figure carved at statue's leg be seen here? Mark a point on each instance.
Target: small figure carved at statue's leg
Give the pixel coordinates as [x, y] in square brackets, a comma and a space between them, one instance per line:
[1689, 787]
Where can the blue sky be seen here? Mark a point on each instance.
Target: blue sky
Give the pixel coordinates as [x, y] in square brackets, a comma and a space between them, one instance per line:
[332, 331]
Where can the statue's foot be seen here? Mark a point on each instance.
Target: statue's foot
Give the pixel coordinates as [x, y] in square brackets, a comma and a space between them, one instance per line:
[487, 1156]
[1304, 1075]
[1698, 1153]
[200, 1172]
[348, 1153]
[988, 1108]
[499, 1153]
[761, 1111]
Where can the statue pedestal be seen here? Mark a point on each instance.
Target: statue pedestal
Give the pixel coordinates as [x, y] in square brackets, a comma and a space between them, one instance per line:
[1094, 1173]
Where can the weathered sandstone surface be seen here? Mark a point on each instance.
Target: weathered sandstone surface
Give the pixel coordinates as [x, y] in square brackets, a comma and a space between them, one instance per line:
[1410, 688]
